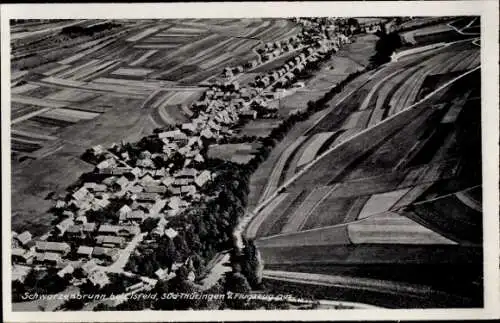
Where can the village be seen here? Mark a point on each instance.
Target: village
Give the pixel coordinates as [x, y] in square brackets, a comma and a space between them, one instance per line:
[101, 220]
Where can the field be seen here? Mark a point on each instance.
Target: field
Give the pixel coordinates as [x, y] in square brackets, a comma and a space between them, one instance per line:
[259, 128]
[238, 153]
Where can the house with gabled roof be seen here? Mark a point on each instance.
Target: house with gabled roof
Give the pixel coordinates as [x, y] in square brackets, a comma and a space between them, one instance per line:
[68, 270]
[50, 246]
[186, 173]
[98, 204]
[124, 210]
[155, 189]
[85, 251]
[155, 209]
[188, 190]
[110, 241]
[118, 230]
[24, 238]
[168, 181]
[207, 133]
[49, 258]
[121, 183]
[174, 190]
[80, 194]
[64, 225]
[173, 135]
[171, 233]
[146, 197]
[136, 216]
[203, 178]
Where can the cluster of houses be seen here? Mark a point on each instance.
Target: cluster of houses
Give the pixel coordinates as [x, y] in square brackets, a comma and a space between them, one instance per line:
[126, 190]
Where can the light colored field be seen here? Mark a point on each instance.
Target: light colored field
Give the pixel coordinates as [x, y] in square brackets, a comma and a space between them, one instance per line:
[370, 20]
[68, 73]
[143, 34]
[132, 71]
[381, 202]
[298, 101]
[241, 158]
[180, 97]
[213, 62]
[299, 217]
[38, 102]
[383, 94]
[432, 29]
[156, 46]
[392, 228]
[32, 127]
[410, 35]
[85, 53]
[56, 69]
[23, 88]
[263, 24]
[71, 95]
[312, 149]
[129, 90]
[192, 46]
[333, 235]
[63, 82]
[186, 30]
[228, 150]
[355, 120]
[411, 195]
[143, 58]
[69, 115]
[274, 178]
[259, 128]
[266, 212]
[17, 74]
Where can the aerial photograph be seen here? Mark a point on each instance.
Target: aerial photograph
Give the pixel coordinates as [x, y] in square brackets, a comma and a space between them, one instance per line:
[246, 163]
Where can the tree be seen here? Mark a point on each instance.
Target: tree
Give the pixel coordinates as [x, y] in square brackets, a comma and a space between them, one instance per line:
[161, 289]
[149, 224]
[251, 263]
[236, 283]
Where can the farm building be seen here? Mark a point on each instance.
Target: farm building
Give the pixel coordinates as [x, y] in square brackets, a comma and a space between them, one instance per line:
[55, 247]
[118, 230]
[85, 251]
[110, 241]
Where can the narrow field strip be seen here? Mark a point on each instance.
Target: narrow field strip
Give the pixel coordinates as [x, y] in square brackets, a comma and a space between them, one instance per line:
[143, 58]
[32, 135]
[143, 34]
[301, 213]
[267, 211]
[378, 203]
[272, 183]
[312, 149]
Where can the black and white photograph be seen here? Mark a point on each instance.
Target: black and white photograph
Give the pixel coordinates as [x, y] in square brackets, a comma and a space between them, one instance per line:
[289, 163]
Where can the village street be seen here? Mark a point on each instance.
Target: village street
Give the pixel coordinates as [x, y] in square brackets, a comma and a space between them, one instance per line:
[119, 264]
